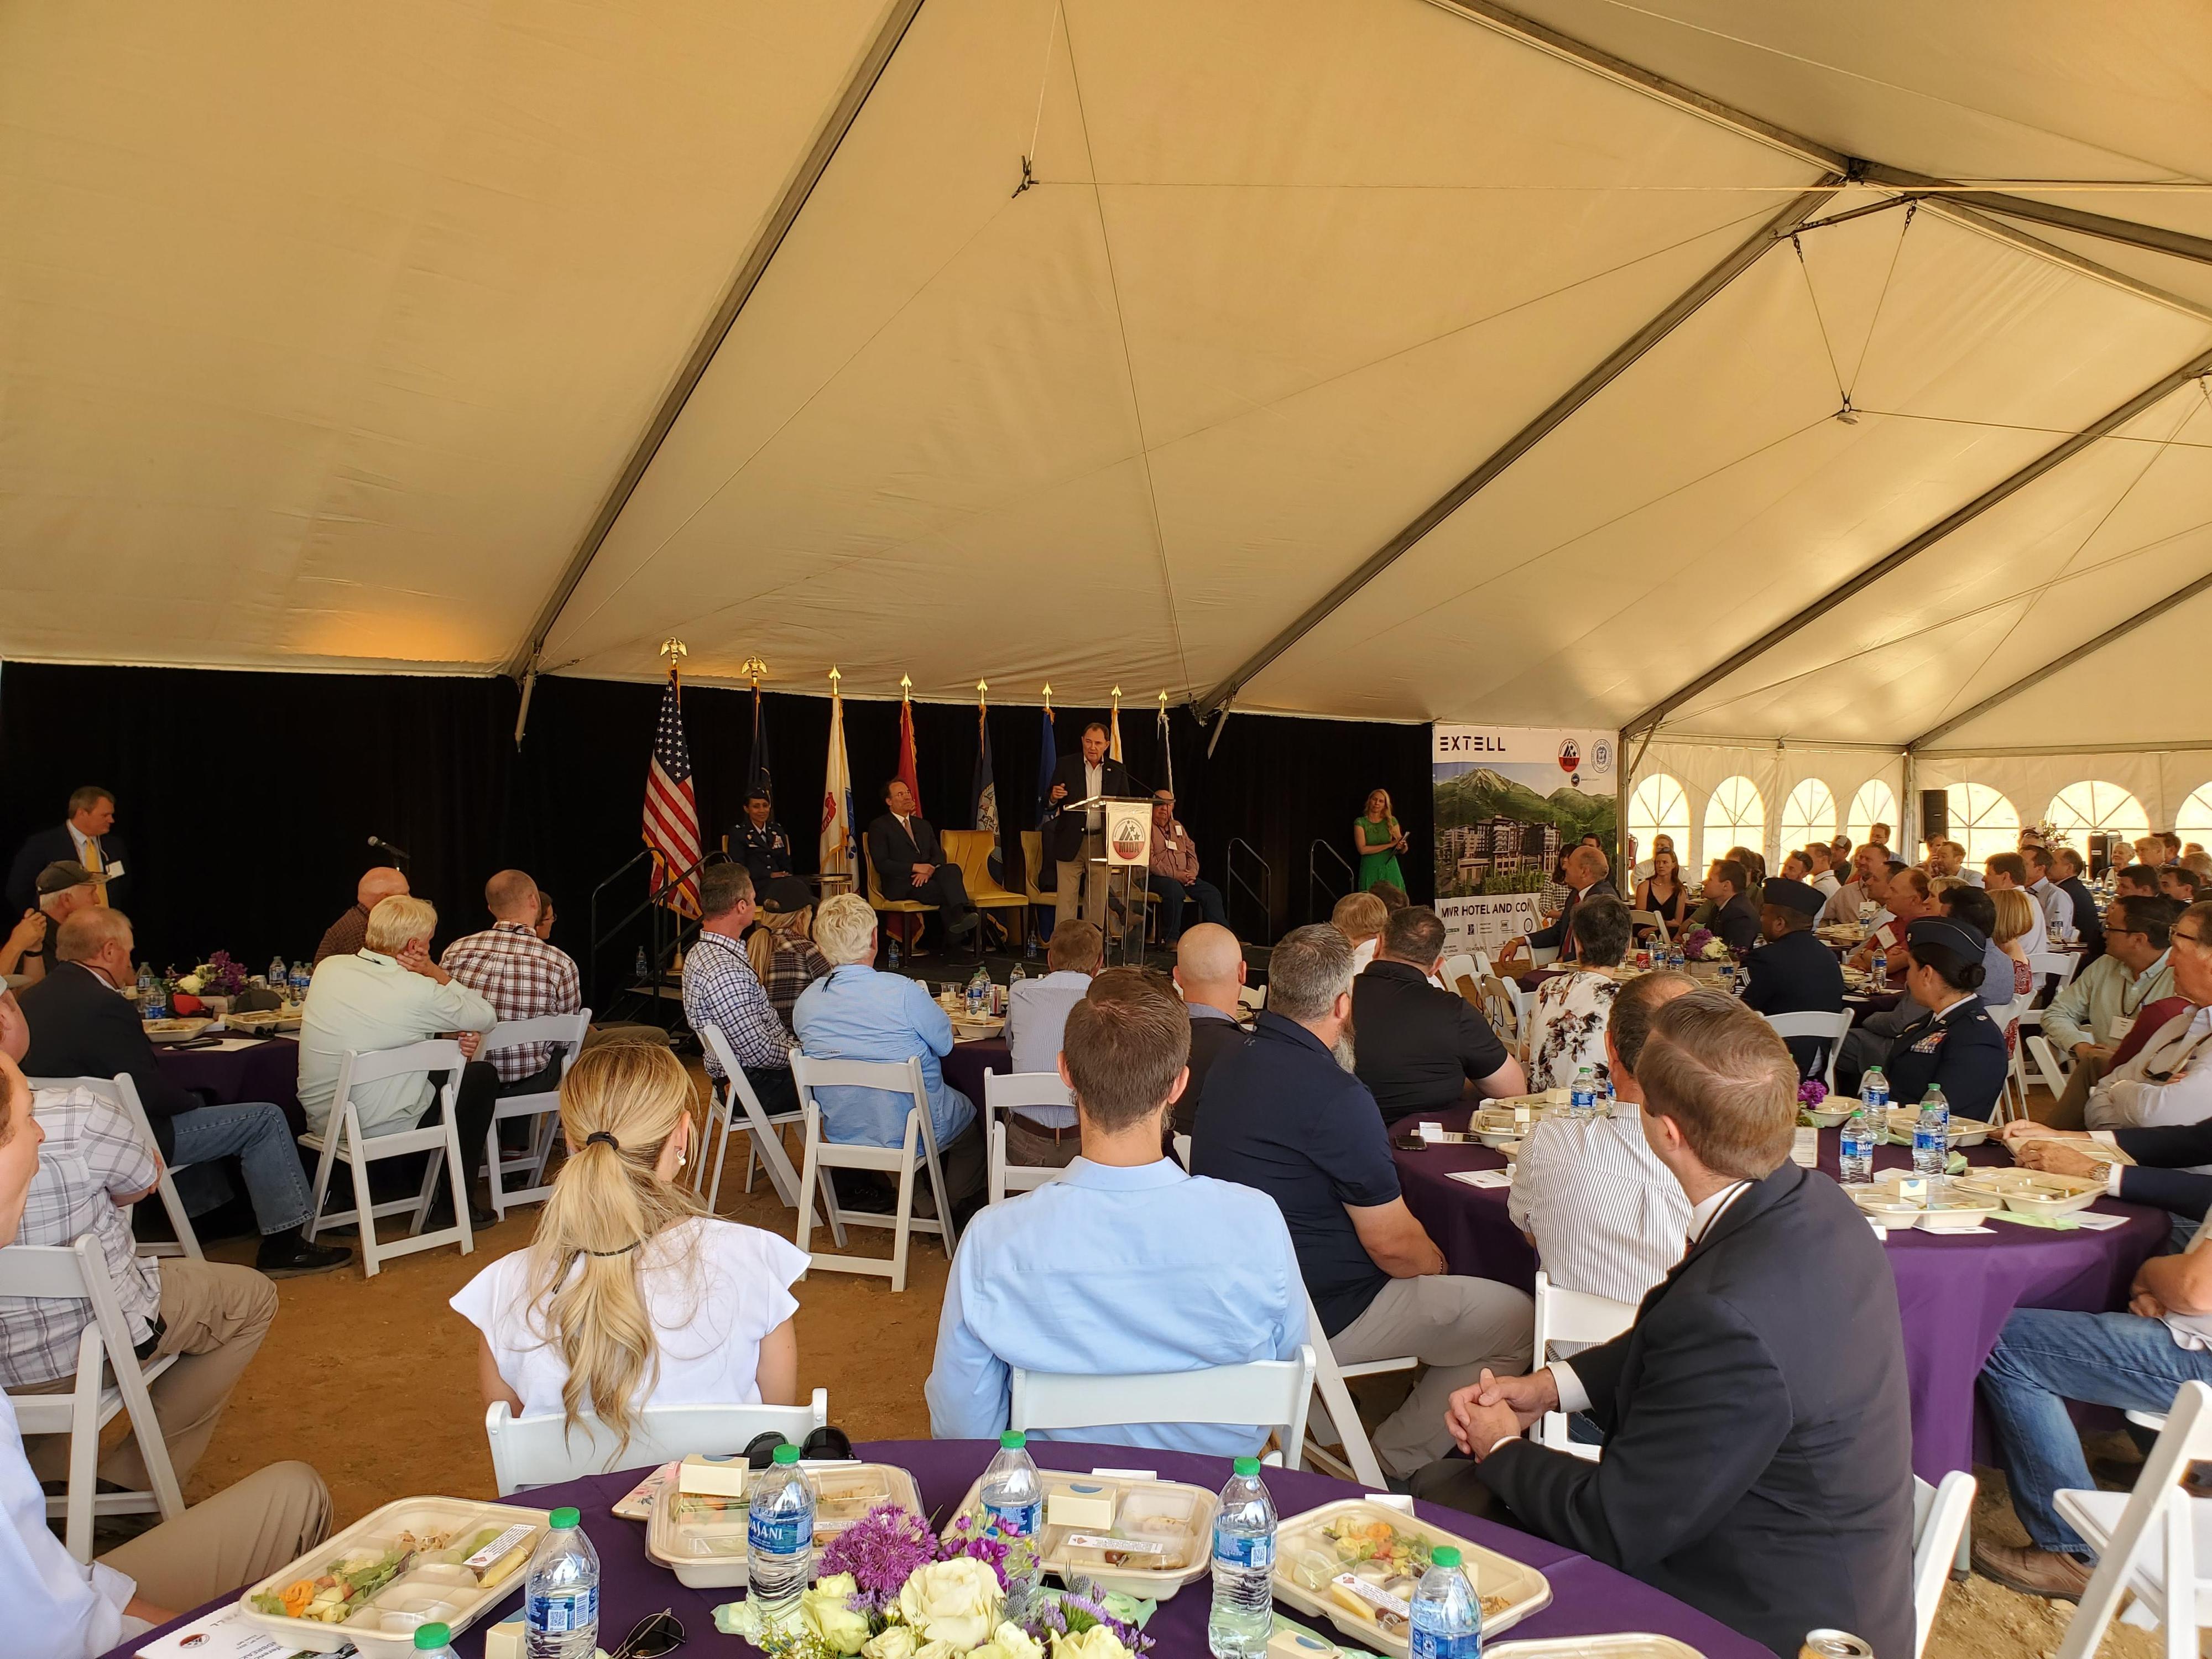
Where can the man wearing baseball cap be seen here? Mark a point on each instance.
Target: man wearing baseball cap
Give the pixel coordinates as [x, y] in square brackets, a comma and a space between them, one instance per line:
[63, 888]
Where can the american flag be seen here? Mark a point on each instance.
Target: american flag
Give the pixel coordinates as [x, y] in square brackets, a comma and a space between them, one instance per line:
[672, 810]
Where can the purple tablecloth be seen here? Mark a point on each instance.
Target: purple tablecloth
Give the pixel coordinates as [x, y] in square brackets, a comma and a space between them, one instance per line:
[1587, 1598]
[269, 1070]
[965, 1065]
[1954, 1294]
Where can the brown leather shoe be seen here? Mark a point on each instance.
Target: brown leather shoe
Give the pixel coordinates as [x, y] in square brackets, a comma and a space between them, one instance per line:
[2032, 1571]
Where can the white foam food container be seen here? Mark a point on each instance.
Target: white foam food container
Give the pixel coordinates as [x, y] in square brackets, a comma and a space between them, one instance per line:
[1965, 1131]
[2033, 1192]
[1964, 1207]
[702, 1541]
[1623, 1645]
[1160, 1537]
[433, 1587]
[1510, 1590]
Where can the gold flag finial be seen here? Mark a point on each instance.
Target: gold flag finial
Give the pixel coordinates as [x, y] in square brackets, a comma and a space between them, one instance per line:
[754, 669]
[1047, 696]
[981, 686]
[1164, 696]
[834, 678]
[674, 649]
[906, 685]
[1117, 693]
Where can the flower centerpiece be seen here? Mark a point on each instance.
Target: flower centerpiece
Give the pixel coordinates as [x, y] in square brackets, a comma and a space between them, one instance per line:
[890, 1588]
[1812, 1092]
[218, 976]
[1703, 944]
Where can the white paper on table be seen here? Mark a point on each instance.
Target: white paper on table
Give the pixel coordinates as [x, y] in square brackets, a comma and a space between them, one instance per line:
[1961, 1232]
[1879, 1231]
[225, 1633]
[1483, 1177]
[1805, 1148]
[1432, 1132]
[1402, 1502]
[2097, 1222]
[1126, 1475]
[224, 1046]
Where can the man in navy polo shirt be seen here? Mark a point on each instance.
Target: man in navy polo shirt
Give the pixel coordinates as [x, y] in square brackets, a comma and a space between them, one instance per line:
[1284, 1113]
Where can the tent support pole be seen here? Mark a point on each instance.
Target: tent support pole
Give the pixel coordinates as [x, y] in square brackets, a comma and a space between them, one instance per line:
[1622, 863]
[865, 72]
[2088, 648]
[2004, 489]
[1744, 255]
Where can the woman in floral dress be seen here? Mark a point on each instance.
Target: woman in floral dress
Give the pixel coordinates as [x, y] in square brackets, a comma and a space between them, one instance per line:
[1567, 1021]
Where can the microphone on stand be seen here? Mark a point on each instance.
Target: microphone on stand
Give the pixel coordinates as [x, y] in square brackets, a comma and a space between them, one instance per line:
[383, 845]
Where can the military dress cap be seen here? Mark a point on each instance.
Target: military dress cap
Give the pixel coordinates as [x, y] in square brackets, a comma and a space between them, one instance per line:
[1964, 941]
[1792, 895]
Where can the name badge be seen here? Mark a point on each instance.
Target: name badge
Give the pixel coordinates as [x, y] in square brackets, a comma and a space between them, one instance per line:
[115, 870]
[2122, 1024]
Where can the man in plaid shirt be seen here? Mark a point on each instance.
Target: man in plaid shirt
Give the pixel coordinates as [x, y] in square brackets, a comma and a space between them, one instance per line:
[522, 976]
[721, 990]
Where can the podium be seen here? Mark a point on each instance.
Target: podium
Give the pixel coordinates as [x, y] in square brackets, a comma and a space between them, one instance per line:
[1126, 836]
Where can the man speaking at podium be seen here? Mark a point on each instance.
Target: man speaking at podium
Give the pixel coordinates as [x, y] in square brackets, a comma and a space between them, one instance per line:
[1078, 838]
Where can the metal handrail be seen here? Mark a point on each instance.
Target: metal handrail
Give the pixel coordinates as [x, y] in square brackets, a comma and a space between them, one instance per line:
[662, 945]
[1259, 896]
[1314, 876]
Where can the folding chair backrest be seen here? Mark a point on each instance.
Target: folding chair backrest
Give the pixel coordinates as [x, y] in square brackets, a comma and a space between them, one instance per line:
[2139, 1543]
[1939, 1521]
[1575, 1316]
[1828, 1029]
[122, 1093]
[1005, 1091]
[1003, 1180]
[538, 1451]
[567, 1031]
[898, 1077]
[1458, 966]
[1272, 1393]
[432, 1055]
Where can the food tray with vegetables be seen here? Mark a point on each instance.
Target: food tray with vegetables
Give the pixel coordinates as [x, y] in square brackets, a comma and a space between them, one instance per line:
[421, 1560]
[2033, 1192]
[700, 1537]
[1357, 1563]
[1143, 1538]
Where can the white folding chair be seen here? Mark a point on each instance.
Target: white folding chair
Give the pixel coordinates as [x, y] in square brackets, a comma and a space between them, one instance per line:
[1572, 1316]
[1501, 1005]
[1006, 1091]
[1183, 1150]
[1251, 997]
[1340, 1411]
[2051, 964]
[895, 1077]
[1458, 966]
[2047, 1065]
[1650, 919]
[539, 1451]
[1543, 955]
[1272, 1393]
[1940, 1514]
[2147, 1540]
[343, 1142]
[78, 1272]
[764, 1132]
[123, 1094]
[1829, 1029]
[2011, 1098]
[565, 1034]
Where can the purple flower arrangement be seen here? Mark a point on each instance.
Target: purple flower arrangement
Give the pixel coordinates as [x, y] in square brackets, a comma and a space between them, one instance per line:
[882, 1551]
[222, 977]
[1812, 1092]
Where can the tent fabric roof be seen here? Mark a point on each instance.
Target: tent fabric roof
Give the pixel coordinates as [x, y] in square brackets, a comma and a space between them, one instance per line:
[329, 332]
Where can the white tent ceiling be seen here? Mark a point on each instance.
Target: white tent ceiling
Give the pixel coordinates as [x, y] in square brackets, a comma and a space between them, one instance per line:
[327, 334]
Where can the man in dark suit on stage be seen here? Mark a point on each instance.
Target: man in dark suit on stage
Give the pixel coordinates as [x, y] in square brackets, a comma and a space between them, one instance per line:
[1793, 973]
[88, 838]
[909, 863]
[1758, 1451]
[1075, 841]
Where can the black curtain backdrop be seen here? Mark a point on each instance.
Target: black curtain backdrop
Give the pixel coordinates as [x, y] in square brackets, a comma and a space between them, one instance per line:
[246, 800]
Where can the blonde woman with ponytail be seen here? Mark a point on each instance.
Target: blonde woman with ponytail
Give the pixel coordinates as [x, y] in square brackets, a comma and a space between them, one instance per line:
[629, 1295]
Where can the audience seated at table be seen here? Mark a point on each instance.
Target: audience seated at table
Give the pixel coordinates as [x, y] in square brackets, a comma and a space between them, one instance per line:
[58, 1608]
[1642, 871]
[80, 1026]
[63, 889]
[1393, 896]
[351, 931]
[629, 1296]
[87, 838]
[2102, 1004]
[1868, 863]
[1793, 973]
[1904, 898]
[520, 976]
[1213, 1280]
[1567, 1017]
[1604, 1215]
[1421, 1049]
[1948, 858]
[2009, 870]
[1173, 876]
[1953, 1044]
[1360, 917]
[2015, 908]
[1735, 918]
[1209, 971]
[2066, 866]
[1662, 893]
[1586, 869]
[1283, 1112]
[721, 990]
[2056, 903]
[1036, 1009]
[2176, 883]
[1830, 867]
[2165, 1083]
[388, 994]
[1758, 1437]
[858, 1013]
[781, 947]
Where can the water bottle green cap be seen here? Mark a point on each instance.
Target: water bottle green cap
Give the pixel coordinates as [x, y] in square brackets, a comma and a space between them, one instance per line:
[564, 1519]
[430, 1637]
[1445, 1555]
[1246, 1467]
[786, 1453]
[1012, 1440]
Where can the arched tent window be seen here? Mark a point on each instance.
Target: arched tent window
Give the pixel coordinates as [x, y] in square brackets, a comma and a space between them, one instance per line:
[1736, 813]
[2194, 822]
[1809, 815]
[2094, 807]
[1982, 821]
[1876, 804]
[1658, 807]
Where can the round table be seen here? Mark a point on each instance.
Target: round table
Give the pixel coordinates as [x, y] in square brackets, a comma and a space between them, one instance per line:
[1954, 1294]
[1587, 1598]
[965, 1065]
[266, 1069]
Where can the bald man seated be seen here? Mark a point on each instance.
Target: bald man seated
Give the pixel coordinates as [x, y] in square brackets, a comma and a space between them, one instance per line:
[1209, 971]
[511, 967]
[351, 931]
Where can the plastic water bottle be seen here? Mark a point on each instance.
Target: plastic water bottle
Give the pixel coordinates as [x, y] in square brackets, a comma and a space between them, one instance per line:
[1030, 946]
[642, 968]
[1243, 1616]
[1013, 1505]
[1446, 1621]
[979, 993]
[561, 1602]
[1880, 966]
[301, 973]
[1856, 1162]
[891, 950]
[1931, 1135]
[1874, 1091]
[1581, 1098]
[1014, 976]
[434, 1641]
[779, 1539]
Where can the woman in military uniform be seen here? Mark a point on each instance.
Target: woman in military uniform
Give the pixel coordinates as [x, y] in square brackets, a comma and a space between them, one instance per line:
[1956, 1047]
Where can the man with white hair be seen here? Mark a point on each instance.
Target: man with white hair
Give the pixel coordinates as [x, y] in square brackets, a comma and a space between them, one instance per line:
[386, 995]
[351, 931]
[63, 889]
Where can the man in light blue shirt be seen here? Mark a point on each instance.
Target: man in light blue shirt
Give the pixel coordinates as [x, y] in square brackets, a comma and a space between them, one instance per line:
[857, 1013]
[1200, 1272]
[1036, 1013]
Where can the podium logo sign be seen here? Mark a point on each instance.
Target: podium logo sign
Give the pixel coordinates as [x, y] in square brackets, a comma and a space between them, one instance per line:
[1128, 833]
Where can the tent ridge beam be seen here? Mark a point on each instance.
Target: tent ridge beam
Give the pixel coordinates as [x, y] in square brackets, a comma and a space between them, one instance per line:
[2088, 648]
[2003, 490]
[866, 71]
[1740, 259]
[2156, 239]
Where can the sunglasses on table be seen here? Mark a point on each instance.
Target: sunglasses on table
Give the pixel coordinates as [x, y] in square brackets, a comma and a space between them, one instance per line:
[651, 1636]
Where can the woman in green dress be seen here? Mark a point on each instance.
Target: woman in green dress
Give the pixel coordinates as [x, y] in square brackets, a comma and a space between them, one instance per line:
[1379, 840]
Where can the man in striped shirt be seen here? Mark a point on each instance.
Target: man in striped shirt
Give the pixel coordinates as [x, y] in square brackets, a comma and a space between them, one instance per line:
[522, 976]
[1604, 1215]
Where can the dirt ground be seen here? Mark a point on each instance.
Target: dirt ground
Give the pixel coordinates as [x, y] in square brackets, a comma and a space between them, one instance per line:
[373, 1381]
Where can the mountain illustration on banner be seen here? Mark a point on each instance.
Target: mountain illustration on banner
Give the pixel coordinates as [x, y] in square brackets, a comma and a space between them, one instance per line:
[1481, 793]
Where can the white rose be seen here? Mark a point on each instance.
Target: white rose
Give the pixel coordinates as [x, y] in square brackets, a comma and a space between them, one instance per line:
[190, 984]
[1096, 1643]
[1009, 1641]
[825, 1610]
[954, 1601]
[894, 1642]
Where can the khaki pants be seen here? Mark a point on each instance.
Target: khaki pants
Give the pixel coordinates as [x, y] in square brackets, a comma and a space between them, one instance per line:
[1083, 878]
[238, 1536]
[1026, 1147]
[214, 1316]
[2071, 1111]
[1457, 1328]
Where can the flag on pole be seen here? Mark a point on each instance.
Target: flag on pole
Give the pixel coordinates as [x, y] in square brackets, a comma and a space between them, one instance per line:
[671, 809]
[1113, 728]
[761, 776]
[1047, 758]
[836, 855]
[985, 791]
[1167, 753]
[906, 775]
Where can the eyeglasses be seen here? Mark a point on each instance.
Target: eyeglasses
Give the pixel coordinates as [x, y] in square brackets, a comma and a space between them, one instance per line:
[651, 1636]
[2196, 939]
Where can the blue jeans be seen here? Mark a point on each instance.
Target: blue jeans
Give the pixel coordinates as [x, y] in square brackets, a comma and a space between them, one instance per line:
[2044, 1359]
[1172, 893]
[259, 1139]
